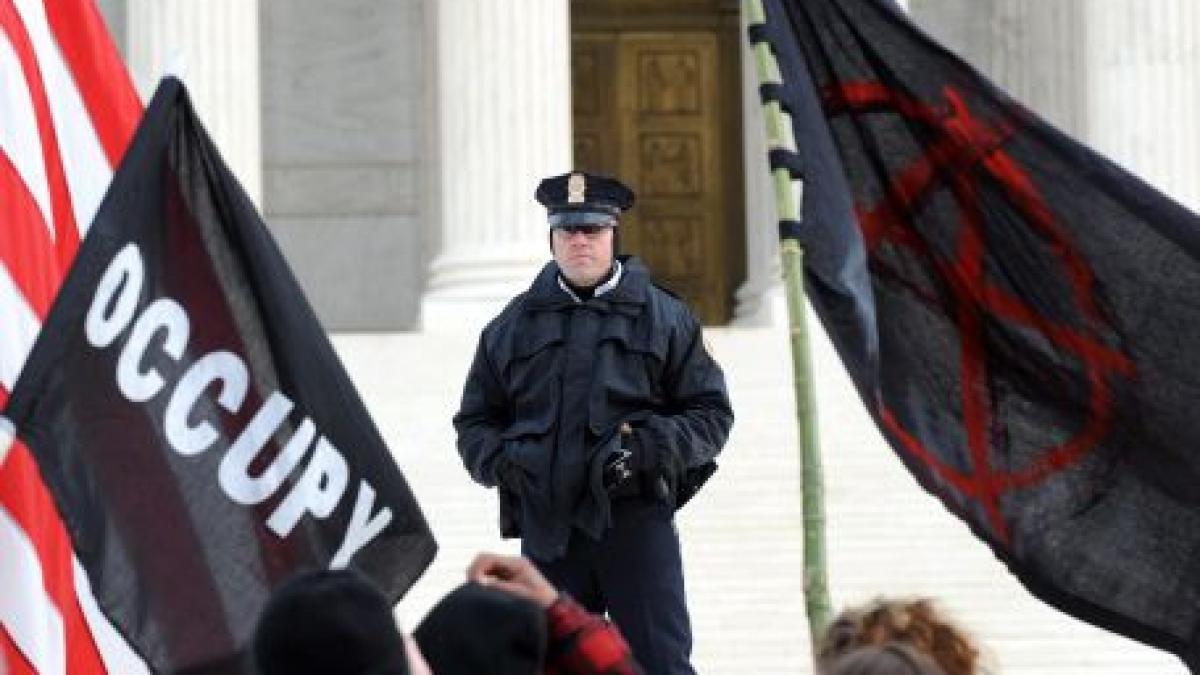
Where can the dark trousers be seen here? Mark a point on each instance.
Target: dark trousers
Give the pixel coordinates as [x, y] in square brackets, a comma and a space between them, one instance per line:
[635, 574]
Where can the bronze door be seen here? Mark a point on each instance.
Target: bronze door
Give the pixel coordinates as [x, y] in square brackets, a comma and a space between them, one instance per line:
[651, 108]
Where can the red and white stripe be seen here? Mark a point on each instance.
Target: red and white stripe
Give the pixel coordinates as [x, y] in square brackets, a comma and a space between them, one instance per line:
[67, 111]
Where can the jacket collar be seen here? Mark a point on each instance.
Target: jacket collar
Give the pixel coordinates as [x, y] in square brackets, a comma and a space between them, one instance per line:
[545, 293]
[609, 284]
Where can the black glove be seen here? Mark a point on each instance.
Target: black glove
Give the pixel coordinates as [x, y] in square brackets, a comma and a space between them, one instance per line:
[647, 460]
[617, 470]
[645, 456]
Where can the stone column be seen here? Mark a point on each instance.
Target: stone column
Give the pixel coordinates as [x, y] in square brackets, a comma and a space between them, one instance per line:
[214, 45]
[1034, 50]
[760, 300]
[1144, 101]
[1037, 53]
[1118, 75]
[963, 27]
[114, 16]
[504, 122]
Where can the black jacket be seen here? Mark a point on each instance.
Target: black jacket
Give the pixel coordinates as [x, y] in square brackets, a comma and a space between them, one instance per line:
[552, 381]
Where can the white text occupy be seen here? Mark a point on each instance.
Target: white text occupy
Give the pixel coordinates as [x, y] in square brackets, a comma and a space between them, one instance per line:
[323, 481]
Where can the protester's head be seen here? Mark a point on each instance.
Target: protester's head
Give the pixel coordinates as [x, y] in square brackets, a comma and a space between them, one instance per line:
[916, 623]
[330, 622]
[478, 629]
[892, 658]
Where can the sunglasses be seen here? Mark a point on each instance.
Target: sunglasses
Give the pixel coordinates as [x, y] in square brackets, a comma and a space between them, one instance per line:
[591, 231]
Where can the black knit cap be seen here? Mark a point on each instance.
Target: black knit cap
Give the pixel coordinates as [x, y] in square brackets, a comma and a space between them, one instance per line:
[581, 198]
[329, 622]
[476, 629]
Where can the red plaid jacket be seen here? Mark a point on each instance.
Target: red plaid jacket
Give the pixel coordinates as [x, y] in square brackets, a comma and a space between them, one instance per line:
[582, 643]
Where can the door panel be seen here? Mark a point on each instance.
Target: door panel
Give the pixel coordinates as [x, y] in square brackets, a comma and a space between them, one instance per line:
[648, 108]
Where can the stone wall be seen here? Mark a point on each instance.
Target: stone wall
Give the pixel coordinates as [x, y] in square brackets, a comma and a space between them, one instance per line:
[344, 96]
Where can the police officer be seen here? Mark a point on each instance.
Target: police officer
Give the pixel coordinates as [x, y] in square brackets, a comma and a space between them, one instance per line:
[594, 407]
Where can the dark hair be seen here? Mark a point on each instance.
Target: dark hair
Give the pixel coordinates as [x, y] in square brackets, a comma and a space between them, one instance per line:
[889, 659]
[329, 622]
[915, 623]
[479, 629]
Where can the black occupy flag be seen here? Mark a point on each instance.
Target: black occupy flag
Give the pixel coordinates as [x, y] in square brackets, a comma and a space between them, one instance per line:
[1020, 315]
[191, 419]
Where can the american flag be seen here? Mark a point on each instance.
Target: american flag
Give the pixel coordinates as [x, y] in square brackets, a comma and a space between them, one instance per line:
[67, 111]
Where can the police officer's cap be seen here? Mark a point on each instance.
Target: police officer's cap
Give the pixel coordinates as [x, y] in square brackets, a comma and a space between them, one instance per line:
[580, 198]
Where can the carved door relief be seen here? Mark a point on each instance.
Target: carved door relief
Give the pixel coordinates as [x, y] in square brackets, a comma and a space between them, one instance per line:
[653, 107]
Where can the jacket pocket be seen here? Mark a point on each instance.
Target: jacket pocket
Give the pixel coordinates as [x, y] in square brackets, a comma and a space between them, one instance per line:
[533, 373]
[628, 381]
[634, 337]
[528, 426]
[537, 333]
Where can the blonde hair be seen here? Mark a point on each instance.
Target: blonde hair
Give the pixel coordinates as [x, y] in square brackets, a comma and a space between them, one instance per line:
[916, 623]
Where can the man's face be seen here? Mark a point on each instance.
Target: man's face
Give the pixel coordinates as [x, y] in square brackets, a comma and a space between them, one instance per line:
[584, 253]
